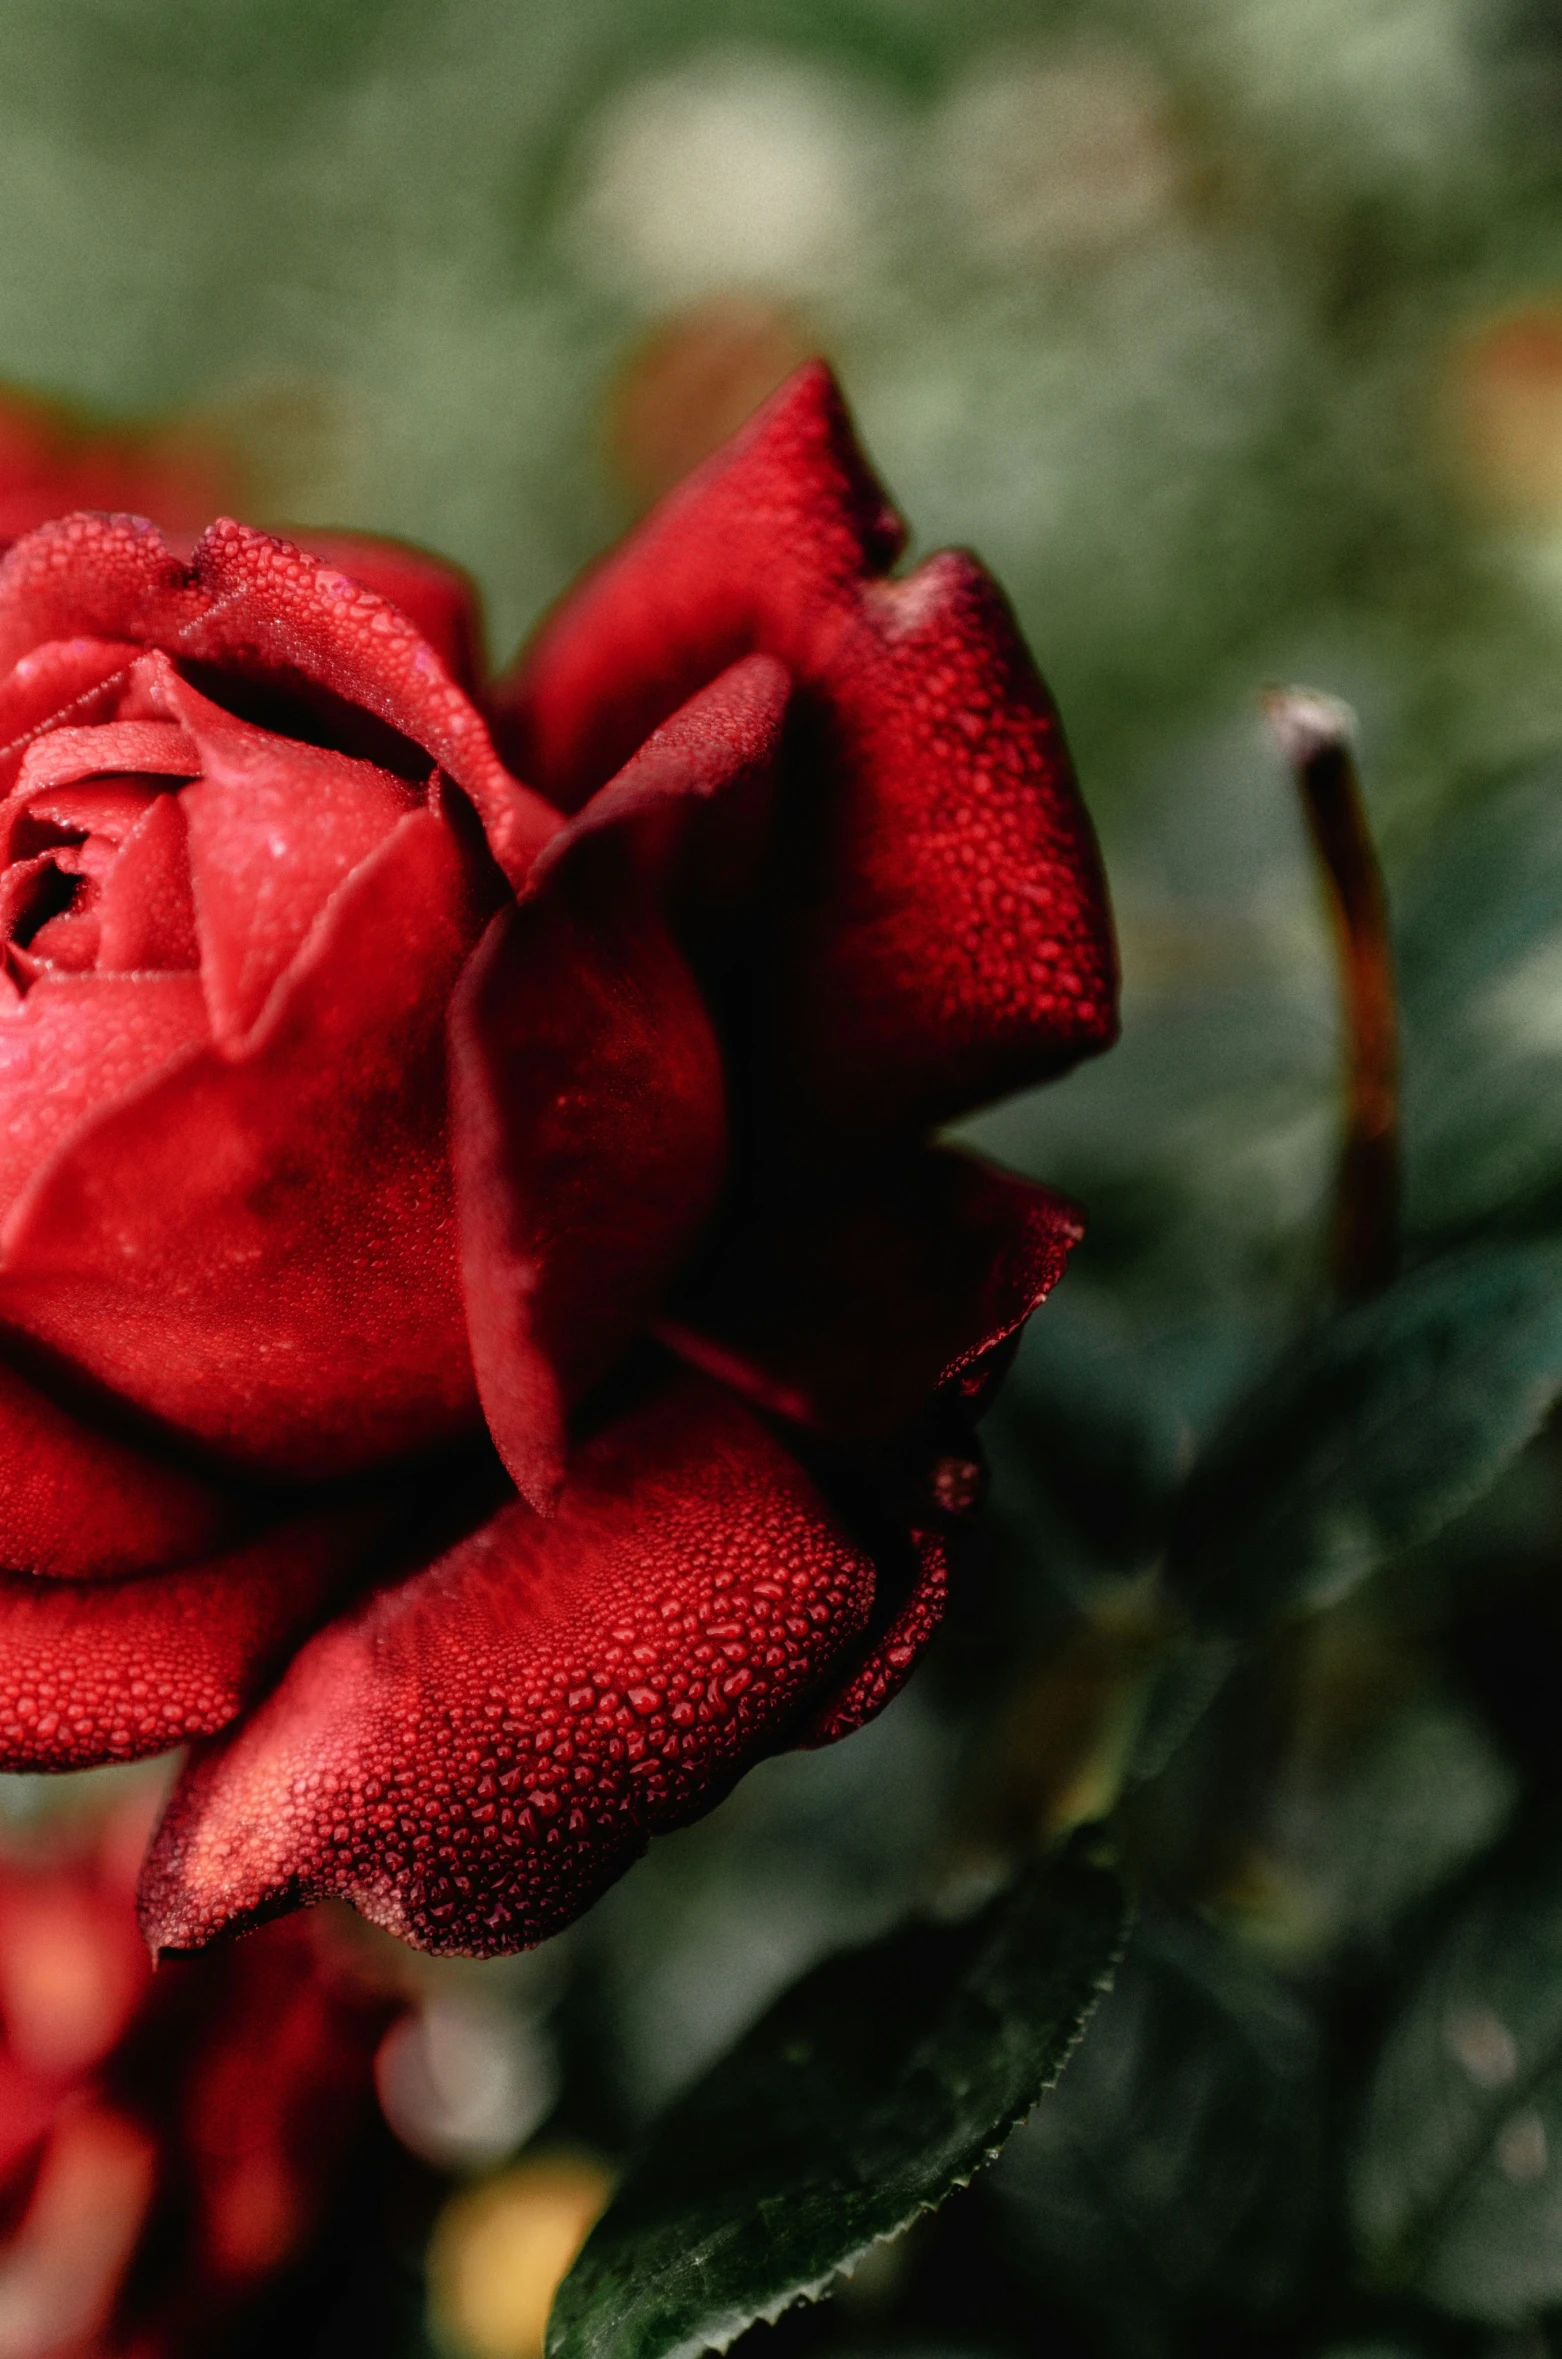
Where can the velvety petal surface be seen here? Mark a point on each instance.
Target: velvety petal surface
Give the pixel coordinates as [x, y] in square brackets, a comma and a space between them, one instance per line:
[851, 1303]
[262, 609]
[945, 935]
[587, 1096]
[55, 684]
[64, 756]
[588, 1149]
[889, 1662]
[695, 796]
[146, 910]
[437, 598]
[259, 1249]
[473, 1754]
[274, 827]
[78, 1043]
[78, 1504]
[116, 1670]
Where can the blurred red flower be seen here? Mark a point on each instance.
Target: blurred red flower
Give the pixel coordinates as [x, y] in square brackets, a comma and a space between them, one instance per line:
[53, 460]
[167, 2144]
[485, 1329]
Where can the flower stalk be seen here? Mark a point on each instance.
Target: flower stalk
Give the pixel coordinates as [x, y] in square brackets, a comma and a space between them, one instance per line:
[1316, 733]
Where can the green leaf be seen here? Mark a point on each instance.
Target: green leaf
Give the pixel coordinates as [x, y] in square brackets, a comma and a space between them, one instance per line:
[1362, 1829]
[1479, 941]
[872, 2088]
[1456, 2189]
[1369, 1436]
[1179, 2156]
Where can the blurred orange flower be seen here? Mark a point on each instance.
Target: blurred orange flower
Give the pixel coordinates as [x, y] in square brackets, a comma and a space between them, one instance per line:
[1508, 408]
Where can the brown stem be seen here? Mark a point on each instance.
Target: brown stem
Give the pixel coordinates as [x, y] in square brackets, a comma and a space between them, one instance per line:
[1315, 733]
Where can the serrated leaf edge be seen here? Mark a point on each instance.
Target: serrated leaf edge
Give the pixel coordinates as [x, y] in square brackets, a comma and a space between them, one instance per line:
[724, 2334]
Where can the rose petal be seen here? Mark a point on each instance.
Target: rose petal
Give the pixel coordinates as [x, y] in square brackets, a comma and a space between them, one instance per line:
[581, 1051]
[588, 1141]
[260, 608]
[115, 1670]
[719, 750]
[269, 602]
[94, 576]
[63, 681]
[260, 1249]
[146, 912]
[274, 827]
[886, 1667]
[438, 599]
[472, 1756]
[65, 756]
[108, 807]
[78, 1505]
[945, 935]
[852, 1304]
[65, 945]
[74, 1046]
[28, 2105]
[766, 547]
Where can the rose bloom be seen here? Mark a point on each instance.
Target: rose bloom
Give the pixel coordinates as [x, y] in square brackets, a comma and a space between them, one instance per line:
[489, 1348]
[168, 2147]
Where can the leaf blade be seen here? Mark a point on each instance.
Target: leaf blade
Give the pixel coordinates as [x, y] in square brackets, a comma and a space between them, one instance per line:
[1370, 1436]
[882, 2080]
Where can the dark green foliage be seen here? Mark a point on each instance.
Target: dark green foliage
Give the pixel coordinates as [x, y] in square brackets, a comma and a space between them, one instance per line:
[1454, 2186]
[877, 2084]
[1178, 2156]
[1369, 1436]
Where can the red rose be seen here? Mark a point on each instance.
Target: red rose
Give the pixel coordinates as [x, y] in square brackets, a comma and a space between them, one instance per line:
[484, 1329]
[167, 2147]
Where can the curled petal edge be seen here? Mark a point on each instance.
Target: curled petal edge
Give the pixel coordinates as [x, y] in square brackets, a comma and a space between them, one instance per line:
[117, 1670]
[472, 1755]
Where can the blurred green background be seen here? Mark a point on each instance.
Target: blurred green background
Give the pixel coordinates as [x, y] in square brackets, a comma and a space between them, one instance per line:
[1162, 303]
[1230, 333]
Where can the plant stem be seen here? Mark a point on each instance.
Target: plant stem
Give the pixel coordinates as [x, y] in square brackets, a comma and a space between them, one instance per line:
[1316, 734]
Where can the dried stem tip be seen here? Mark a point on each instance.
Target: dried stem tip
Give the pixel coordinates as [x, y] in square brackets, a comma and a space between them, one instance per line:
[1316, 734]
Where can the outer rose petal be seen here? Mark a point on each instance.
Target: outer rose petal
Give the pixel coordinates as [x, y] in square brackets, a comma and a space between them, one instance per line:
[712, 762]
[857, 1300]
[115, 1670]
[438, 599]
[472, 1756]
[949, 939]
[260, 1250]
[582, 1054]
[766, 547]
[886, 1667]
[589, 1141]
[77, 1504]
[260, 608]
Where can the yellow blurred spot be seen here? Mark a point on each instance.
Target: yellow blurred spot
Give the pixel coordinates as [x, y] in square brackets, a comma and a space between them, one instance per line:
[501, 2248]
